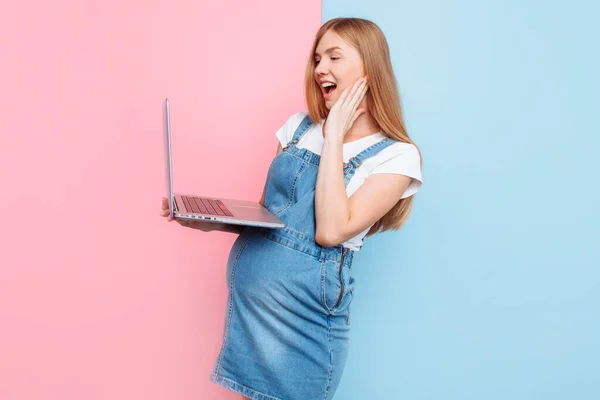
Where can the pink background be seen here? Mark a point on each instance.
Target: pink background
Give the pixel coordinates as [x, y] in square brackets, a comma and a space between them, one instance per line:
[100, 298]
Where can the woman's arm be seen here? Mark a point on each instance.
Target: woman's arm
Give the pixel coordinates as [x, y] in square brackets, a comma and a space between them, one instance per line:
[339, 218]
[211, 226]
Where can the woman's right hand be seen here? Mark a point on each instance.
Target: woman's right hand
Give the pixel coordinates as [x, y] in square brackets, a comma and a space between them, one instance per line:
[201, 225]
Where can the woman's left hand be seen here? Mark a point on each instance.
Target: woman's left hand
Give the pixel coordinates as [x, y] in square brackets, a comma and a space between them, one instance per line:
[344, 112]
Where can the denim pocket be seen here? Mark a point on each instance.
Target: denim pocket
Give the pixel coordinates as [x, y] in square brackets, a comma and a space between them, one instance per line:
[281, 182]
[336, 280]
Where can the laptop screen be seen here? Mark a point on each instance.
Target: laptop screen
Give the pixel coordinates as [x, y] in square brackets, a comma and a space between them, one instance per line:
[168, 172]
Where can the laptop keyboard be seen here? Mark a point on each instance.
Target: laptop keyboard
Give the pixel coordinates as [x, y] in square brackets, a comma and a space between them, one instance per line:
[204, 205]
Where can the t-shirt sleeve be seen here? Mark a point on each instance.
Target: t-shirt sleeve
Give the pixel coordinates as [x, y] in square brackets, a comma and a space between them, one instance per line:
[405, 161]
[286, 132]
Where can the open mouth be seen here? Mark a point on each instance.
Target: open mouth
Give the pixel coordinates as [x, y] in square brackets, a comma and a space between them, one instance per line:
[329, 90]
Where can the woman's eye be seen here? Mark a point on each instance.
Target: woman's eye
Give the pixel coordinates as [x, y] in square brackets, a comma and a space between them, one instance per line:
[333, 58]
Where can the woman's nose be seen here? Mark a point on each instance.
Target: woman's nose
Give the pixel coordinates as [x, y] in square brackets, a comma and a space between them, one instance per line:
[321, 68]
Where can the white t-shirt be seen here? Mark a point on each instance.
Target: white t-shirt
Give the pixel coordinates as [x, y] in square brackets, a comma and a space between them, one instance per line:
[399, 158]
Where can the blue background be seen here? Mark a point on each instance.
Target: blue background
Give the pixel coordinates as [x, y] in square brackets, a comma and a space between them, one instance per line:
[492, 290]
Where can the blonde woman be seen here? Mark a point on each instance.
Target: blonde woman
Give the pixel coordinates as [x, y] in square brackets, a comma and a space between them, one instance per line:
[344, 170]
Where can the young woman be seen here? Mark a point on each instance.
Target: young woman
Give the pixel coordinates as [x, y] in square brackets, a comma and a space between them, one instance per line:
[344, 170]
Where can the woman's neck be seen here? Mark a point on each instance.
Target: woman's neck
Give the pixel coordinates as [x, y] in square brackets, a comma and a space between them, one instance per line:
[365, 125]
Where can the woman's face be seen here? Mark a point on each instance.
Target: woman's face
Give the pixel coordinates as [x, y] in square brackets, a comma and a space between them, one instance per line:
[338, 63]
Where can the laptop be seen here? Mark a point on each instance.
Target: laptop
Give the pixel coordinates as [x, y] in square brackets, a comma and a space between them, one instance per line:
[209, 208]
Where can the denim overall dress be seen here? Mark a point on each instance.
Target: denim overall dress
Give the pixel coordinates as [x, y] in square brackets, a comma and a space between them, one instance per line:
[287, 321]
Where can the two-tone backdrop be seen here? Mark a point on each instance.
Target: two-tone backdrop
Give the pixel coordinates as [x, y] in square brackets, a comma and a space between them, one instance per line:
[490, 292]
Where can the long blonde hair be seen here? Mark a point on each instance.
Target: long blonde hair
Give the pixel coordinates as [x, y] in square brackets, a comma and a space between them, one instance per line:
[383, 97]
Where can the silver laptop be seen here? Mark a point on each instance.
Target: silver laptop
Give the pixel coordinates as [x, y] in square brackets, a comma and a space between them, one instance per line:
[208, 208]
